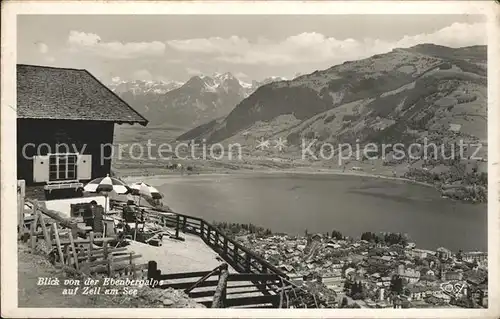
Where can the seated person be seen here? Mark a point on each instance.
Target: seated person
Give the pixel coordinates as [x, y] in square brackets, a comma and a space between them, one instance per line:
[88, 214]
[98, 218]
[129, 212]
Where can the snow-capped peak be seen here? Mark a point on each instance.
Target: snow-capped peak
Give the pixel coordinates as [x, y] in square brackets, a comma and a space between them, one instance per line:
[221, 77]
[245, 85]
[143, 87]
[216, 82]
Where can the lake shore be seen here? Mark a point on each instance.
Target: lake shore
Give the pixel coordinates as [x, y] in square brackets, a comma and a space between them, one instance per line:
[172, 177]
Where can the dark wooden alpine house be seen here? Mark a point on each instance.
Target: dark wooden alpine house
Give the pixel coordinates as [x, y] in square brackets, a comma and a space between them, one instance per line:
[65, 124]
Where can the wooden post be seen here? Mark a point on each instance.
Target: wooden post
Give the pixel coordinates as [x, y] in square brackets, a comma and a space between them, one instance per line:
[177, 221]
[105, 249]
[216, 238]
[236, 254]
[44, 230]
[248, 259]
[51, 233]
[184, 220]
[152, 271]
[214, 271]
[73, 249]
[91, 244]
[33, 231]
[132, 266]
[225, 246]
[110, 266]
[67, 255]
[58, 243]
[282, 294]
[135, 231]
[202, 229]
[219, 300]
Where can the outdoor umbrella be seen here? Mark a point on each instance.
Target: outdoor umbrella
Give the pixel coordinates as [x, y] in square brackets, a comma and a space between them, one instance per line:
[106, 185]
[144, 189]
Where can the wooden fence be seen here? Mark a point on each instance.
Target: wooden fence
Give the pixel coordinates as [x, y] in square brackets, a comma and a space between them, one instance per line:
[238, 256]
[91, 255]
[273, 285]
[94, 254]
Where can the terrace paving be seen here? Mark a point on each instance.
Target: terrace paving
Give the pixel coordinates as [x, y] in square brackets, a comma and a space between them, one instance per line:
[191, 255]
[176, 256]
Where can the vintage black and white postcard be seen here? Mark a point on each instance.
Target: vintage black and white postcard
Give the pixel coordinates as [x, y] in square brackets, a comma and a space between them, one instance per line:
[250, 159]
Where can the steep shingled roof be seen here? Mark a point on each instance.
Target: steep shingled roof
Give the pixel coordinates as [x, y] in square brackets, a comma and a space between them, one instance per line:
[69, 94]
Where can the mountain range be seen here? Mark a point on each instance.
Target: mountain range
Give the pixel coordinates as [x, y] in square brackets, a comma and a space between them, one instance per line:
[403, 96]
[202, 98]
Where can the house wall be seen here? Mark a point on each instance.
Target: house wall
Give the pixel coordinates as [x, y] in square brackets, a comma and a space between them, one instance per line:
[75, 134]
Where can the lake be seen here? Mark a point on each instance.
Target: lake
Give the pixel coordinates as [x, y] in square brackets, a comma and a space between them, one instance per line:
[292, 203]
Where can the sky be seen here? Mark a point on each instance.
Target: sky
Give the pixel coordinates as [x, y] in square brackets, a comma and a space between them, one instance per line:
[252, 47]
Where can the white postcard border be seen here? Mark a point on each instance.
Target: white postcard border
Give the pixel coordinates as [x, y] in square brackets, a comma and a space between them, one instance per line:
[8, 145]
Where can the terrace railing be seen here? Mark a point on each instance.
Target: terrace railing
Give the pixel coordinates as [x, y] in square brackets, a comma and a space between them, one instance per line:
[238, 256]
[220, 289]
[252, 268]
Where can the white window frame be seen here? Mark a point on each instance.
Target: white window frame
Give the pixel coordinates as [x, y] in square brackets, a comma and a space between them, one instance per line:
[58, 156]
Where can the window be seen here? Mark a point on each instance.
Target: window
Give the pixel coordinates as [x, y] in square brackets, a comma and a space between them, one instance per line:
[62, 167]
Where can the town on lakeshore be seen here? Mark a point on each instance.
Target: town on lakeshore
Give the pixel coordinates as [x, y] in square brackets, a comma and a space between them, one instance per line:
[374, 271]
[162, 168]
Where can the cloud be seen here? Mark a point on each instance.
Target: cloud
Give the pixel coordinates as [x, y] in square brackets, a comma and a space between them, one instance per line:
[50, 59]
[91, 43]
[144, 75]
[191, 71]
[314, 47]
[240, 75]
[42, 47]
[233, 44]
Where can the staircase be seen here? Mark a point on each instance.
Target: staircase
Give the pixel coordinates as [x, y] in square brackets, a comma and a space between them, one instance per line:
[236, 290]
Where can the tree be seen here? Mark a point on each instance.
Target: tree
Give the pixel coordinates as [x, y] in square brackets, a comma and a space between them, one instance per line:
[347, 285]
[344, 303]
[354, 289]
[459, 255]
[397, 285]
[337, 235]
[368, 236]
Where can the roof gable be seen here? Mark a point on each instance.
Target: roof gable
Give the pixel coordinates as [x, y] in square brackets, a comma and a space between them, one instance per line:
[69, 94]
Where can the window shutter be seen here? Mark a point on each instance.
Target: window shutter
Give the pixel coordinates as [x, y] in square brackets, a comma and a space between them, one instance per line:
[40, 169]
[84, 167]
